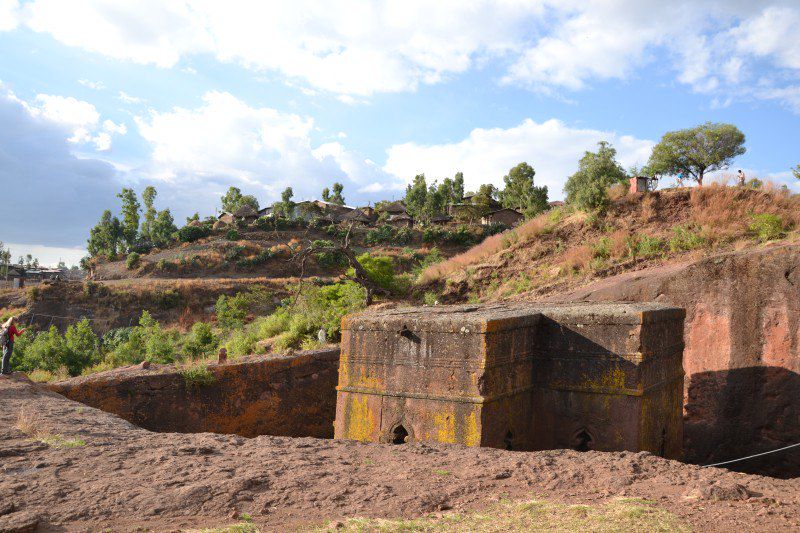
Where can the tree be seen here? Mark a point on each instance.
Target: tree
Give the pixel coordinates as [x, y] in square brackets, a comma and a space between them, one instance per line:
[163, 229]
[326, 195]
[435, 201]
[234, 199]
[458, 187]
[796, 172]
[130, 217]
[148, 197]
[285, 207]
[5, 254]
[693, 152]
[587, 188]
[416, 194]
[104, 238]
[520, 193]
[337, 197]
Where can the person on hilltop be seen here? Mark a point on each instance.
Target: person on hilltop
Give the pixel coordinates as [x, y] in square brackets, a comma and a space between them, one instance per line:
[7, 333]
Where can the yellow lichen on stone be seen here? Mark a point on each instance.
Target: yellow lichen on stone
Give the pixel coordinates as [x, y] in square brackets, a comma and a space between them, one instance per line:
[472, 434]
[360, 422]
[445, 424]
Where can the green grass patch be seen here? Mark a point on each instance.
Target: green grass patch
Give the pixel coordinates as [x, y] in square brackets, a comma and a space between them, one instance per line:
[197, 376]
[59, 441]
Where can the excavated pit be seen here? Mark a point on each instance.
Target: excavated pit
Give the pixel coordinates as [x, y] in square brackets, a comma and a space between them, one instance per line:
[726, 413]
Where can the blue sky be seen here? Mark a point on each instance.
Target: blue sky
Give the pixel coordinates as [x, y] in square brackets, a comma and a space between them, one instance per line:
[195, 96]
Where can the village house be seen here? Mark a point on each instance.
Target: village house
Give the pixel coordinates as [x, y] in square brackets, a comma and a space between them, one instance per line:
[507, 216]
[246, 213]
[400, 221]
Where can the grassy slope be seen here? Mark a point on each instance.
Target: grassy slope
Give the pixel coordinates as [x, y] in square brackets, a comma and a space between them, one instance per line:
[562, 249]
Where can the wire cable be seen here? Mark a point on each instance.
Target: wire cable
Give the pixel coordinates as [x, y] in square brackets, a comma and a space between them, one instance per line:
[754, 455]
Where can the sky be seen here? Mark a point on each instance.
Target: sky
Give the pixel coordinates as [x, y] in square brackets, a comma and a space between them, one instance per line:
[195, 96]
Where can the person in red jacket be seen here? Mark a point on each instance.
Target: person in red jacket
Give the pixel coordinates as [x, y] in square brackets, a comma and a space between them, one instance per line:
[8, 347]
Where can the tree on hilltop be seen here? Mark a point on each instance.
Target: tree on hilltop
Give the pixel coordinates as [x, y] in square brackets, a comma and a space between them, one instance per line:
[234, 199]
[693, 152]
[587, 189]
[130, 217]
[520, 192]
[336, 197]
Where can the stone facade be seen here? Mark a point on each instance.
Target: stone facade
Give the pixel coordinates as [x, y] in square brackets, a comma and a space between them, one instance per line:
[605, 377]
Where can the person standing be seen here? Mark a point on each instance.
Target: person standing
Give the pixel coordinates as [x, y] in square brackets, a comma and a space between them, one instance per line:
[7, 334]
[741, 178]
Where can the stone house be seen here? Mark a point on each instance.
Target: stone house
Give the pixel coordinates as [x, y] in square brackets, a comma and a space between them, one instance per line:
[509, 217]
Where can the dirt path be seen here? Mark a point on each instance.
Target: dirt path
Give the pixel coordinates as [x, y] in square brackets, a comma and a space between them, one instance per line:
[80, 469]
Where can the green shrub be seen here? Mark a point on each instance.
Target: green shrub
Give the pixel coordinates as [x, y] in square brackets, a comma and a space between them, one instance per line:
[767, 227]
[270, 326]
[132, 261]
[197, 376]
[430, 298]
[232, 235]
[685, 238]
[83, 347]
[193, 233]
[234, 253]
[241, 342]
[201, 341]
[232, 310]
[328, 256]
[602, 248]
[403, 236]
[384, 234]
[379, 269]
[644, 246]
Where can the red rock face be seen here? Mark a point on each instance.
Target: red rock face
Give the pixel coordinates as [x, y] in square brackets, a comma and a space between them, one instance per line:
[286, 396]
[742, 358]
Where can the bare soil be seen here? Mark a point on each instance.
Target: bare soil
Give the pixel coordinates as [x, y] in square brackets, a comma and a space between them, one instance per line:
[76, 468]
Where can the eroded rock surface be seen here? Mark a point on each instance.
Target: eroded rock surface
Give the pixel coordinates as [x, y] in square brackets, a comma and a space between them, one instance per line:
[124, 477]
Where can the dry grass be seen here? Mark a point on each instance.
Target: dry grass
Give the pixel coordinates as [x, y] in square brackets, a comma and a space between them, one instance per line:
[621, 514]
[489, 247]
[578, 258]
[30, 423]
[44, 376]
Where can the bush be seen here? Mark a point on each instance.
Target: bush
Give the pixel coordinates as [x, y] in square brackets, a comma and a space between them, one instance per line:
[384, 234]
[685, 238]
[379, 269]
[241, 342]
[232, 235]
[270, 326]
[403, 236]
[233, 253]
[602, 248]
[201, 341]
[328, 256]
[132, 261]
[644, 246]
[83, 347]
[197, 376]
[767, 227]
[193, 233]
[232, 310]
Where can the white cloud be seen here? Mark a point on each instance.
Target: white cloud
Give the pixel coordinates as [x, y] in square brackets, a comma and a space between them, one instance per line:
[9, 14]
[82, 118]
[128, 99]
[486, 155]
[96, 85]
[227, 142]
[354, 47]
[360, 48]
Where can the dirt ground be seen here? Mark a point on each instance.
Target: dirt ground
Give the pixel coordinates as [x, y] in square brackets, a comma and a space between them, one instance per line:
[75, 468]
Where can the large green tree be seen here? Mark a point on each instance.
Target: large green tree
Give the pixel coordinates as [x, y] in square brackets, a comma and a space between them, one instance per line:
[163, 229]
[284, 208]
[458, 187]
[693, 152]
[416, 194]
[520, 192]
[105, 237]
[148, 198]
[597, 171]
[130, 217]
[234, 199]
[337, 197]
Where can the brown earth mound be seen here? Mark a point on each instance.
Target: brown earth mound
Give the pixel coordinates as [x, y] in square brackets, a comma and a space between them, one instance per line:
[69, 467]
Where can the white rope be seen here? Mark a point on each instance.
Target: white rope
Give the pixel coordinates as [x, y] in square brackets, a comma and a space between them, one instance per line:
[756, 455]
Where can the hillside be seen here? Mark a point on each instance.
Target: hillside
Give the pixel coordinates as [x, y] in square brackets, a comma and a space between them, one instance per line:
[561, 250]
[248, 251]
